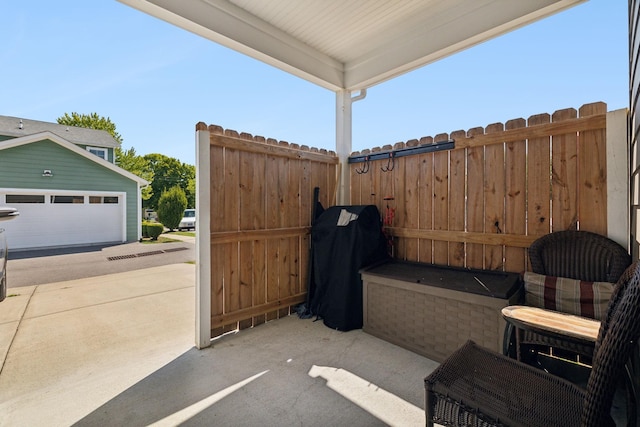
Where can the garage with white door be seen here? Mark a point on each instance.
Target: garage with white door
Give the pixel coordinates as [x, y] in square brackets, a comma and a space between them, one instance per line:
[64, 218]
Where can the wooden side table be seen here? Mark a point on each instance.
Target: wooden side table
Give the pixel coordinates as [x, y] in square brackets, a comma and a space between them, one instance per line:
[581, 330]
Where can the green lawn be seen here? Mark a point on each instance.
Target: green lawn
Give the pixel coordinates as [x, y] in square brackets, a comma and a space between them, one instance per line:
[161, 239]
[166, 237]
[184, 233]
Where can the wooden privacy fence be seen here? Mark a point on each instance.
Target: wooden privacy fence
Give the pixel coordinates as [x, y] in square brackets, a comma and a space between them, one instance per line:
[482, 203]
[261, 201]
[479, 204]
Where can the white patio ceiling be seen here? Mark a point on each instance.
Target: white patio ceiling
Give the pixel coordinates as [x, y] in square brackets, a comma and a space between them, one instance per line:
[349, 44]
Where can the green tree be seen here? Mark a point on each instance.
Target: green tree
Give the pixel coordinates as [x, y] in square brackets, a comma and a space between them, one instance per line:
[171, 206]
[90, 121]
[126, 159]
[161, 171]
[191, 190]
[137, 165]
[169, 172]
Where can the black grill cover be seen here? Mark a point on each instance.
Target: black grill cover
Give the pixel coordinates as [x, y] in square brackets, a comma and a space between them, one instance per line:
[345, 239]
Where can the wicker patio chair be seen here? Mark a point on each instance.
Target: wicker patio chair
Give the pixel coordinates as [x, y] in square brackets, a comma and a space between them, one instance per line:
[478, 387]
[580, 255]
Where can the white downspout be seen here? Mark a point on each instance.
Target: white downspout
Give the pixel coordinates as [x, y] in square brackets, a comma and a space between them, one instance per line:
[344, 115]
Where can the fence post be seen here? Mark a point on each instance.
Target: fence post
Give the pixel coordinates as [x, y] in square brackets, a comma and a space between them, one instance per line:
[203, 245]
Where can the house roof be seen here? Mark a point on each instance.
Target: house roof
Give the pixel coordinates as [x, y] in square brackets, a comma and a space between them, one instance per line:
[10, 126]
[50, 136]
[350, 44]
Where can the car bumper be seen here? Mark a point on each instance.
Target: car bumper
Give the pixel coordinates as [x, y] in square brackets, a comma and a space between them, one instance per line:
[3, 266]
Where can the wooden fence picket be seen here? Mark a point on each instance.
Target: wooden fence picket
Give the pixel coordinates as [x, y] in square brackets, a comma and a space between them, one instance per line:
[494, 194]
[592, 172]
[516, 258]
[397, 193]
[409, 173]
[564, 186]
[457, 204]
[475, 199]
[441, 201]
[426, 196]
[538, 180]
[217, 172]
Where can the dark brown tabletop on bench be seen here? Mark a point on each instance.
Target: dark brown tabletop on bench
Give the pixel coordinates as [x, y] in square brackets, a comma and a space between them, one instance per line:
[496, 284]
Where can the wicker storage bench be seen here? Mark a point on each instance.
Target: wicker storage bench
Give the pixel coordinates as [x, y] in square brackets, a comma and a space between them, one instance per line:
[433, 310]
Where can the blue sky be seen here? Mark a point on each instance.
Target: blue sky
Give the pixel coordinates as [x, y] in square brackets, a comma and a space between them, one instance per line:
[156, 81]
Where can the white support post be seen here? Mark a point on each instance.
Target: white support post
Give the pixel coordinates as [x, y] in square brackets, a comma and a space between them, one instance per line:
[618, 199]
[203, 246]
[343, 144]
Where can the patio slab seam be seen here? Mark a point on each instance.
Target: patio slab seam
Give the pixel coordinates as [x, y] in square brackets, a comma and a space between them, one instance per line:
[97, 304]
[17, 329]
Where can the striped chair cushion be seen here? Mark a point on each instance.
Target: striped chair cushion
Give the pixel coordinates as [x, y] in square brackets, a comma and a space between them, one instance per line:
[582, 298]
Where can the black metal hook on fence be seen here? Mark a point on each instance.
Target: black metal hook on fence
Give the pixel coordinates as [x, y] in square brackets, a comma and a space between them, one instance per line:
[365, 167]
[391, 162]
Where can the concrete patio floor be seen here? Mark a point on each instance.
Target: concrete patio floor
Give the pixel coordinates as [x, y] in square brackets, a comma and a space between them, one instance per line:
[118, 350]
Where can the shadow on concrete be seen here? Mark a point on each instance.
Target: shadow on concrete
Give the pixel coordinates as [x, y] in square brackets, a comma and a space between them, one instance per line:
[286, 372]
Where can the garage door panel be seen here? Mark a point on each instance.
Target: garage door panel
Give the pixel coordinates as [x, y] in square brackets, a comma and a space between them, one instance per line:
[27, 229]
[65, 224]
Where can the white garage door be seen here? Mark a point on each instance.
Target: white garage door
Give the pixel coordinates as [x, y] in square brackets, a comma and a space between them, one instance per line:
[64, 218]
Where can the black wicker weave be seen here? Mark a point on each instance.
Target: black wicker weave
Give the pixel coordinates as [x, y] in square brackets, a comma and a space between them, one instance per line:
[477, 387]
[580, 255]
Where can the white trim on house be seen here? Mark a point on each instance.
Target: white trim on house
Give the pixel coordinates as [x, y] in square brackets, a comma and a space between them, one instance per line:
[139, 212]
[103, 150]
[37, 137]
[124, 217]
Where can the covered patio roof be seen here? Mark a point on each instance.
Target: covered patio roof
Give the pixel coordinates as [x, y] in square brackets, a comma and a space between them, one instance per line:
[349, 45]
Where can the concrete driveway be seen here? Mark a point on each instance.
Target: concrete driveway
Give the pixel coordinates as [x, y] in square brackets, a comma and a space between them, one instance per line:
[68, 347]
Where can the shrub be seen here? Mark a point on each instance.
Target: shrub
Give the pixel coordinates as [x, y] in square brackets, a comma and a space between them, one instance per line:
[145, 230]
[152, 229]
[171, 206]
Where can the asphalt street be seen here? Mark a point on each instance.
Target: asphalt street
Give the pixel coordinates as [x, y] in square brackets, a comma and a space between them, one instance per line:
[36, 267]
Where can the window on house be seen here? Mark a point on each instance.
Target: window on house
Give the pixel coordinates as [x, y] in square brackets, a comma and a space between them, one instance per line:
[24, 198]
[67, 199]
[100, 152]
[106, 200]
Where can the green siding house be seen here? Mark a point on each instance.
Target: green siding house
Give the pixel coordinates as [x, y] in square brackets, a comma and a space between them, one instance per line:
[65, 184]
